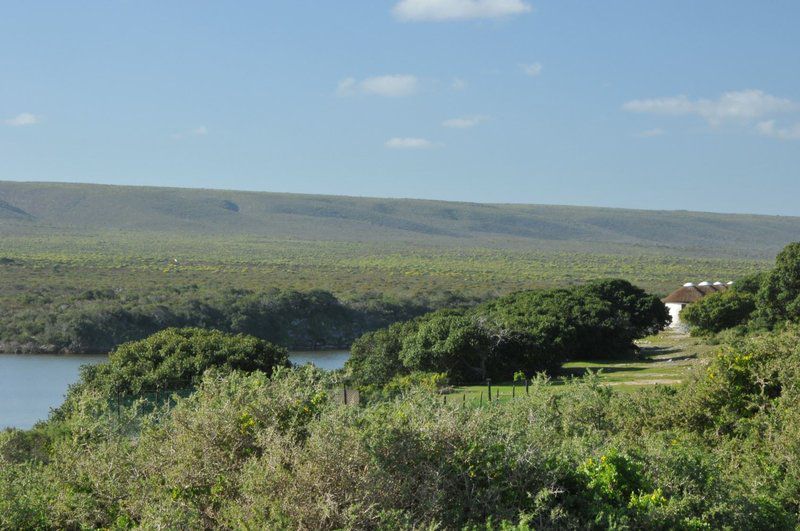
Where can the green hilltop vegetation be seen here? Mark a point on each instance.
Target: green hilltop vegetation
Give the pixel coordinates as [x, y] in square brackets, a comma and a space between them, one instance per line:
[87, 267]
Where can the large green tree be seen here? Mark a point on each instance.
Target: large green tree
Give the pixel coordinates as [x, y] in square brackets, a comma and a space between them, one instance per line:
[779, 296]
[531, 331]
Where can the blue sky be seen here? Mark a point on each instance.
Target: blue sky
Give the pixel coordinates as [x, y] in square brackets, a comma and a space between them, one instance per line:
[668, 105]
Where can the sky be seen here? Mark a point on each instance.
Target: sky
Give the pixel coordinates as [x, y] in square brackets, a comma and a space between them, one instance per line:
[654, 105]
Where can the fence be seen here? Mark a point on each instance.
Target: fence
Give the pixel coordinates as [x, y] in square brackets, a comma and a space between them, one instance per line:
[488, 393]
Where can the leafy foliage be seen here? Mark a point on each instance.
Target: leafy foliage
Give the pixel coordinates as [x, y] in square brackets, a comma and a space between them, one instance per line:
[252, 451]
[759, 301]
[720, 311]
[99, 320]
[175, 358]
[779, 295]
[531, 331]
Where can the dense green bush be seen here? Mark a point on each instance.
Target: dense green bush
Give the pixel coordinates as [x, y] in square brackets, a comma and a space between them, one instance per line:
[719, 311]
[99, 320]
[598, 320]
[177, 358]
[750, 377]
[750, 284]
[531, 331]
[779, 294]
[259, 452]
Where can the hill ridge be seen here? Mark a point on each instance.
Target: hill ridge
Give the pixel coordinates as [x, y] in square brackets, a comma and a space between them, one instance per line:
[281, 215]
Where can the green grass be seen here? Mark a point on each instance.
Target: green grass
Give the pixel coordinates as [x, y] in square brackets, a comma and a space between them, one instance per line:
[666, 359]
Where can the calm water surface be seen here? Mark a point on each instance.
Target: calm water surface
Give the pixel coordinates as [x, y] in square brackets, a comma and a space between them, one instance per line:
[31, 384]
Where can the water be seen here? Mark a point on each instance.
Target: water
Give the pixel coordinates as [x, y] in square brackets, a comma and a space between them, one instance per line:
[326, 359]
[32, 384]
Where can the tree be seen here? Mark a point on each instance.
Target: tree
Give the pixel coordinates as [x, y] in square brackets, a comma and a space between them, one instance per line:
[719, 311]
[645, 313]
[448, 341]
[375, 356]
[532, 331]
[750, 284]
[778, 298]
[178, 357]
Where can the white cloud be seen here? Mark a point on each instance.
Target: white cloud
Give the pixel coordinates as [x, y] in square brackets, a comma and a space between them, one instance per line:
[458, 84]
[22, 119]
[390, 86]
[768, 128]
[464, 122]
[201, 130]
[650, 133]
[347, 87]
[745, 105]
[532, 69]
[439, 10]
[408, 143]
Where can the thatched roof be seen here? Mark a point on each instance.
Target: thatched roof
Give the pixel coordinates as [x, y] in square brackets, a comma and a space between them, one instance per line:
[688, 294]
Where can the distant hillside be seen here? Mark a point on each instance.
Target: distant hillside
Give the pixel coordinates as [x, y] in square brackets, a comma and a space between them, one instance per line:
[8, 211]
[83, 207]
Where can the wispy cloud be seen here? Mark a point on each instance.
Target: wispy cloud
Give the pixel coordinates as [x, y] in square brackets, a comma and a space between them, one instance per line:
[201, 130]
[347, 87]
[650, 133]
[768, 128]
[532, 69]
[745, 105]
[464, 122]
[390, 86]
[22, 119]
[440, 10]
[408, 143]
[458, 84]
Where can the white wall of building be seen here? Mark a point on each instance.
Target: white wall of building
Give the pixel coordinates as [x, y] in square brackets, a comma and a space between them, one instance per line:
[675, 311]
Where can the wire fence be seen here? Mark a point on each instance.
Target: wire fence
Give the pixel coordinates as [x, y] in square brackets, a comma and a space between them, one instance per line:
[487, 393]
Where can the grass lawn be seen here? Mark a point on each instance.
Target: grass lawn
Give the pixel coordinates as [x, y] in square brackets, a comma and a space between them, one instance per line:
[666, 359]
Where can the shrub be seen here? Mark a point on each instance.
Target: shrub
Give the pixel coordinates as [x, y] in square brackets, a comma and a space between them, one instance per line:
[177, 358]
[719, 311]
[531, 331]
[779, 294]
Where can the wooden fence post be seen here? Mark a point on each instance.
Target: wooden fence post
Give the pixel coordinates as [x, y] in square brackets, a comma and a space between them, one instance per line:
[489, 385]
[527, 385]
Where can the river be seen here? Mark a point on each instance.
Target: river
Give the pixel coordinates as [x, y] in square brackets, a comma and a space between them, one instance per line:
[32, 384]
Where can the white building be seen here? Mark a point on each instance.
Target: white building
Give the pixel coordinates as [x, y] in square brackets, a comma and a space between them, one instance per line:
[689, 293]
